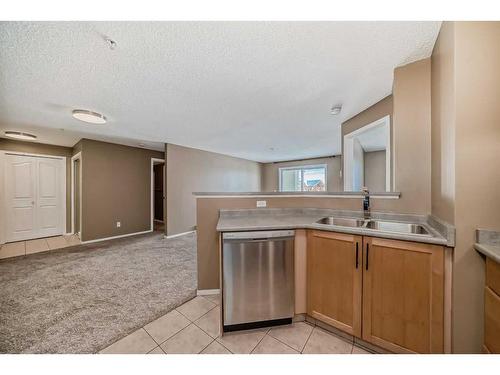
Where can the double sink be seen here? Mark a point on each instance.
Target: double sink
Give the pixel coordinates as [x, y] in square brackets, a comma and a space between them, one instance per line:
[381, 225]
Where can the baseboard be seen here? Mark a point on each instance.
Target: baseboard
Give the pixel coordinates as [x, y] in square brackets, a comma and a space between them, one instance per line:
[116, 237]
[207, 292]
[180, 234]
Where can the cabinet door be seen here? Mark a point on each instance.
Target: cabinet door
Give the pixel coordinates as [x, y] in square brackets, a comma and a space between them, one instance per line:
[334, 275]
[403, 295]
[491, 321]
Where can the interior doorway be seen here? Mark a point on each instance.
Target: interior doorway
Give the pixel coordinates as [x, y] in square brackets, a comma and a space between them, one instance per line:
[76, 194]
[158, 214]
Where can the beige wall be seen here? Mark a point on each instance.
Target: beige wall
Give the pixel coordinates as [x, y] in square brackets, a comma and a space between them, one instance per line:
[373, 113]
[374, 170]
[380, 109]
[270, 172]
[44, 149]
[190, 170]
[466, 150]
[410, 110]
[116, 186]
[443, 124]
[411, 135]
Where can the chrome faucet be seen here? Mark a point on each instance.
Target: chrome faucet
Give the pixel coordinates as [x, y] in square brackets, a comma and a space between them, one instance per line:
[366, 202]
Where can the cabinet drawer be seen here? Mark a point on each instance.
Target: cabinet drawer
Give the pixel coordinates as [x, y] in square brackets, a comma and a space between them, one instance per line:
[493, 275]
[491, 321]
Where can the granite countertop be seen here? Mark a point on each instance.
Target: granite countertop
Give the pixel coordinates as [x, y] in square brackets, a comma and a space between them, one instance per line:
[305, 218]
[488, 243]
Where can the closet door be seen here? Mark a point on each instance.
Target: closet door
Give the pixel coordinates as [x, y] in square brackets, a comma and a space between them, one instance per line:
[49, 197]
[20, 173]
[34, 194]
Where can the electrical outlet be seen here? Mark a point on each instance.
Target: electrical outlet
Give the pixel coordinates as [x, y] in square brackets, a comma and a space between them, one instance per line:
[118, 224]
[261, 203]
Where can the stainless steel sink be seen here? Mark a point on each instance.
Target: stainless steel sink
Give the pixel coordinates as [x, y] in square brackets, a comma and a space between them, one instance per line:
[341, 221]
[391, 226]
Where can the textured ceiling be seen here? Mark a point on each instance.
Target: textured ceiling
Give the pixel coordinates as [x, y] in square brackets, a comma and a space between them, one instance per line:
[256, 90]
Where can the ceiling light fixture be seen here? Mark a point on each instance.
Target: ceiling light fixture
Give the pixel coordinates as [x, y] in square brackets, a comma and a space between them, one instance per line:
[89, 116]
[335, 110]
[20, 135]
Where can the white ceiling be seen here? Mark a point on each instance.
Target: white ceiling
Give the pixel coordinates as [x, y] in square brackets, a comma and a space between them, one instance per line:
[256, 90]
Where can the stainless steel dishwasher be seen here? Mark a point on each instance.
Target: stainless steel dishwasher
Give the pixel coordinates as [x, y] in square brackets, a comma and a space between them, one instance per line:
[257, 279]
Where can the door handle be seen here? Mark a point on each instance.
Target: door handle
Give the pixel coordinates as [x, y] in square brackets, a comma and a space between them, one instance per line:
[367, 252]
[357, 250]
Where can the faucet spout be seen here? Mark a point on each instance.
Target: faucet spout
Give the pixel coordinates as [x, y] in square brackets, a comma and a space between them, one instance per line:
[366, 203]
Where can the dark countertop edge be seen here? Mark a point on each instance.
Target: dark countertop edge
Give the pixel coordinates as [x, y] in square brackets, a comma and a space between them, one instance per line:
[395, 195]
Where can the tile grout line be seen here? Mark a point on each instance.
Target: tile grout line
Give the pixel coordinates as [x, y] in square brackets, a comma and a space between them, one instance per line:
[193, 321]
[284, 343]
[152, 338]
[267, 332]
[205, 331]
[175, 334]
[182, 329]
[338, 336]
[218, 342]
[310, 334]
[299, 351]
[210, 343]
[216, 339]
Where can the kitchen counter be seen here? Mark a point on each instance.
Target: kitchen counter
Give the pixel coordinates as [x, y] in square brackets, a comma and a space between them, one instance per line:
[317, 194]
[488, 243]
[305, 218]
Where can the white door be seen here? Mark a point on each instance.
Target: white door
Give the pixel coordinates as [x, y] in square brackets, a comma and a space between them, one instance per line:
[34, 197]
[49, 194]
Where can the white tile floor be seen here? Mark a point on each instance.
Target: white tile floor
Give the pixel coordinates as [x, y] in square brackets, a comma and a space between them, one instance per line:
[194, 328]
[21, 248]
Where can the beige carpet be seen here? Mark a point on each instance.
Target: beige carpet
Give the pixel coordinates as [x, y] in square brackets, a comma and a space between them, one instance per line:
[83, 298]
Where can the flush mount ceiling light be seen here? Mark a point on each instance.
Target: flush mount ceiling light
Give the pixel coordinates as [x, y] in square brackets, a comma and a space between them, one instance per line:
[335, 110]
[89, 116]
[20, 135]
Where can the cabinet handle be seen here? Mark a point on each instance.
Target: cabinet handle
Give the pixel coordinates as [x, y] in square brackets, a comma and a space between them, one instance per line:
[367, 251]
[357, 245]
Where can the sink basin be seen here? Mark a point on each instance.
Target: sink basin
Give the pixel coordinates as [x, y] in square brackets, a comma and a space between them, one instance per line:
[391, 226]
[341, 221]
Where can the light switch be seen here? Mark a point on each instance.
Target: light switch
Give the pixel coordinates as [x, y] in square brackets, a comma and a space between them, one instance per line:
[118, 224]
[261, 203]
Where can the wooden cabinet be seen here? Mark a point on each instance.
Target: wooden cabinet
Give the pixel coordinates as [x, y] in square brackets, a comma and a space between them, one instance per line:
[403, 298]
[334, 279]
[391, 294]
[492, 308]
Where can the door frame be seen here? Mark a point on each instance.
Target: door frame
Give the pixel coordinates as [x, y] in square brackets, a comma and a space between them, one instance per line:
[75, 157]
[348, 150]
[3, 200]
[152, 192]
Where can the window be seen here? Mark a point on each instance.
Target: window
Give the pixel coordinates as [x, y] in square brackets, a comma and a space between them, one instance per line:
[303, 178]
